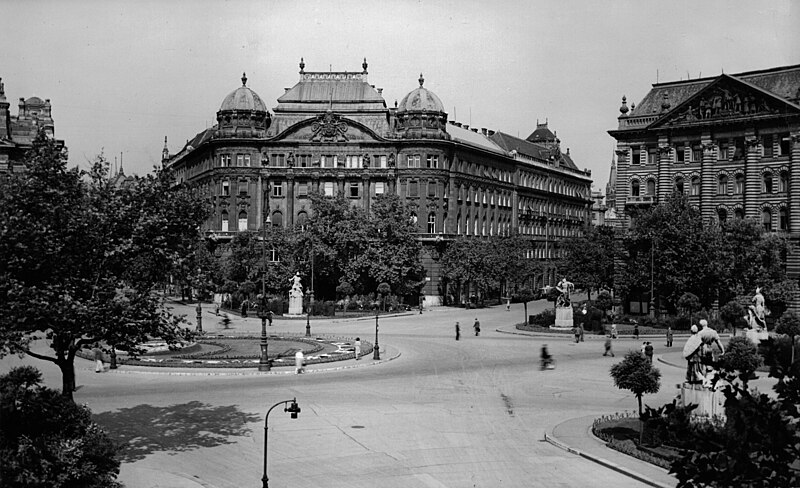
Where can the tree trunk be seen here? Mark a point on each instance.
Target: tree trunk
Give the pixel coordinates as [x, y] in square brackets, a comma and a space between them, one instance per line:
[525, 305]
[67, 377]
[639, 397]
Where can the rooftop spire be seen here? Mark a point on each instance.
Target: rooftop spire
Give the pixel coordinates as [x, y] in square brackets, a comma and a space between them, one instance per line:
[2, 90]
[244, 79]
[421, 80]
[364, 65]
[302, 66]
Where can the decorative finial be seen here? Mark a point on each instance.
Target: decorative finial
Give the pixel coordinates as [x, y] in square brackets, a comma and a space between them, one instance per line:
[421, 80]
[364, 65]
[302, 65]
[2, 87]
[624, 108]
[244, 79]
[633, 107]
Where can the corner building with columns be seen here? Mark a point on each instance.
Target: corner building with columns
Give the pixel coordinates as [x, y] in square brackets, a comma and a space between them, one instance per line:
[731, 143]
[333, 133]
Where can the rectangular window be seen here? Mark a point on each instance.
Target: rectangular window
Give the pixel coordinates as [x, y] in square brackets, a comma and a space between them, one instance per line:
[353, 161]
[304, 160]
[353, 189]
[635, 156]
[680, 154]
[277, 190]
[413, 190]
[225, 160]
[784, 145]
[738, 151]
[328, 188]
[242, 187]
[379, 188]
[381, 160]
[432, 188]
[226, 188]
[240, 160]
[413, 160]
[697, 152]
[722, 152]
[278, 160]
[652, 156]
[766, 143]
[302, 189]
[432, 161]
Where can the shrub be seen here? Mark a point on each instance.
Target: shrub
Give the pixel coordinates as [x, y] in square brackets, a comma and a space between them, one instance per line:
[543, 319]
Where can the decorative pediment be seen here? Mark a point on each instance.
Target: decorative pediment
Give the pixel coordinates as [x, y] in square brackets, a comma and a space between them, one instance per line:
[328, 127]
[725, 98]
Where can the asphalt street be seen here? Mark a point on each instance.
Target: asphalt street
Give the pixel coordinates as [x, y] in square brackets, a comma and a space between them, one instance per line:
[440, 413]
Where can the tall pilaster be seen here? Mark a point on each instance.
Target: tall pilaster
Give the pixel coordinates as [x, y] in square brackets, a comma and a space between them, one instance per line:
[365, 190]
[622, 187]
[290, 199]
[794, 185]
[752, 179]
[708, 177]
[664, 169]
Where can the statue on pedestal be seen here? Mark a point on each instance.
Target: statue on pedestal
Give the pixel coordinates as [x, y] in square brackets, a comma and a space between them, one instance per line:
[564, 304]
[296, 296]
[756, 318]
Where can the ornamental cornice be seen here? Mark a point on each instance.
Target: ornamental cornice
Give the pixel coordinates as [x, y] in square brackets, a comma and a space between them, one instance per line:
[664, 150]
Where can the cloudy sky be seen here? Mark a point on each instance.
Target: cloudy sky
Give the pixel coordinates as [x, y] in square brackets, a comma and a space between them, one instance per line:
[121, 75]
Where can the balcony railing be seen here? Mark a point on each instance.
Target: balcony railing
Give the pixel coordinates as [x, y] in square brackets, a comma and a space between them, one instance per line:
[640, 200]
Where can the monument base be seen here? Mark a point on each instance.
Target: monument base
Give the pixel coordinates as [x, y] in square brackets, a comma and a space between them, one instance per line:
[295, 306]
[563, 318]
[709, 403]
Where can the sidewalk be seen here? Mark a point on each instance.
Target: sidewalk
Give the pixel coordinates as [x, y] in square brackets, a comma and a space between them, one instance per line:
[576, 436]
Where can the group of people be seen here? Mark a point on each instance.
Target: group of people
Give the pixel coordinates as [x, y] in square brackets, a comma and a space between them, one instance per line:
[476, 326]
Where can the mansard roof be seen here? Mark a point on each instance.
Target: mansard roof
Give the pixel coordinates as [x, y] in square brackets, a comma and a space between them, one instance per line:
[341, 91]
[530, 149]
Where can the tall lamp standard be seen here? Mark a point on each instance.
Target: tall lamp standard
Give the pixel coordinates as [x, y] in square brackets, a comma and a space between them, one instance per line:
[383, 289]
[293, 409]
[263, 313]
[652, 304]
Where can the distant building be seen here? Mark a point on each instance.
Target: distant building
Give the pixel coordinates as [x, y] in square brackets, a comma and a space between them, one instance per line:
[17, 132]
[333, 133]
[599, 208]
[729, 142]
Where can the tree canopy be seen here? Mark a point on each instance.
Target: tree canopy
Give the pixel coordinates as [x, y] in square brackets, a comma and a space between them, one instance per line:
[84, 257]
[588, 261]
[637, 374]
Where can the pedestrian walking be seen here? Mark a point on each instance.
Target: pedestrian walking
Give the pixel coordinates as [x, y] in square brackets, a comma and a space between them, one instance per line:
[613, 331]
[358, 348]
[477, 327]
[508, 304]
[648, 351]
[669, 336]
[576, 331]
[269, 317]
[244, 308]
[299, 363]
[216, 309]
[607, 346]
[458, 331]
[636, 331]
[98, 360]
[582, 331]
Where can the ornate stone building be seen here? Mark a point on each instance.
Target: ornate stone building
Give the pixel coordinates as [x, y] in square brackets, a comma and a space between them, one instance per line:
[332, 132]
[730, 142]
[17, 132]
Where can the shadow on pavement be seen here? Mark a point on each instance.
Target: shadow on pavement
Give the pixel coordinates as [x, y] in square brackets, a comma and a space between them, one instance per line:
[144, 429]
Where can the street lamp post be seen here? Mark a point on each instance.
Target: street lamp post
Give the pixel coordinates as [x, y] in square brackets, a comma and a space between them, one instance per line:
[652, 304]
[263, 361]
[293, 409]
[308, 312]
[376, 354]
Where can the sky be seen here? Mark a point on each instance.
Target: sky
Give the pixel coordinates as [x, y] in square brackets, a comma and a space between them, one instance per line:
[122, 75]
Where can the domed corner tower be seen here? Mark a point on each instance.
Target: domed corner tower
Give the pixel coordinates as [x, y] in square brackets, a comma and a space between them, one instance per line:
[243, 113]
[421, 115]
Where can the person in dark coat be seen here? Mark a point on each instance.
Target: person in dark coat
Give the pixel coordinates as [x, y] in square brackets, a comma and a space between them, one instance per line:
[648, 351]
[458, 331]
[477, 327]
[669, 336]
[636, 331]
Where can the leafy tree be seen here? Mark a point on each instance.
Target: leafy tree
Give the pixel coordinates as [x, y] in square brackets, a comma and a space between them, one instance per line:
[383, 290]
[589, 260]
[513, 263]
[789, 324]
[637, 374]
[670, 244]
[525, 295]
[732, 314]
[688, 302]
[84, 258]
[741, 356]
[471, 262]
[47, 440]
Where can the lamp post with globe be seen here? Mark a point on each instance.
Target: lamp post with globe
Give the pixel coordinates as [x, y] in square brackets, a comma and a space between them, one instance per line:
[263, 312]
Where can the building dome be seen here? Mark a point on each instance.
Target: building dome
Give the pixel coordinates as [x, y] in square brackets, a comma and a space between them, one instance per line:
[421, 99]
[242, 114]
[243, 98]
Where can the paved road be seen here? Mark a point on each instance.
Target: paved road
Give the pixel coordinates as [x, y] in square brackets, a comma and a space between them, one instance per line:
[471, 413]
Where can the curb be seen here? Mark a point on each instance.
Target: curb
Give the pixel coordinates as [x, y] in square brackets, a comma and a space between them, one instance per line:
[604, 462]
[255, 373]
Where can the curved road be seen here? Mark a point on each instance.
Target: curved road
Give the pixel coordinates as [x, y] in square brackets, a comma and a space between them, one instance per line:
[471, 413]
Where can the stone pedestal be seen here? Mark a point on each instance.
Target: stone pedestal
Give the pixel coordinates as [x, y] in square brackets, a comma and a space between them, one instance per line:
[563, 318]
[709, 403]
[296, 305]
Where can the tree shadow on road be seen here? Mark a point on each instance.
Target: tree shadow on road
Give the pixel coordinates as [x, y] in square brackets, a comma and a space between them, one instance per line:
[144, 429]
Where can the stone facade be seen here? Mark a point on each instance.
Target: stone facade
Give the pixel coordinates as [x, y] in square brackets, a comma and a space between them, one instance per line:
[17, 132]
[333, 133]
[730, 142]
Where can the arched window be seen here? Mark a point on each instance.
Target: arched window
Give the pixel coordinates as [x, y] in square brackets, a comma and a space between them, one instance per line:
[651, 187]
[722, 214]
[766, 219]
[738, 187]
[783, 182]
[458, 224]
[431, 223]
[679, 184]
[767, 183]
[302, 221]
[695, 185]
[783, 219]
[242, 221]
[476, 223]
[444, 223]
[635, 188]
[722, 185]
[738, 214]
[277, 219]
[224, 226]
